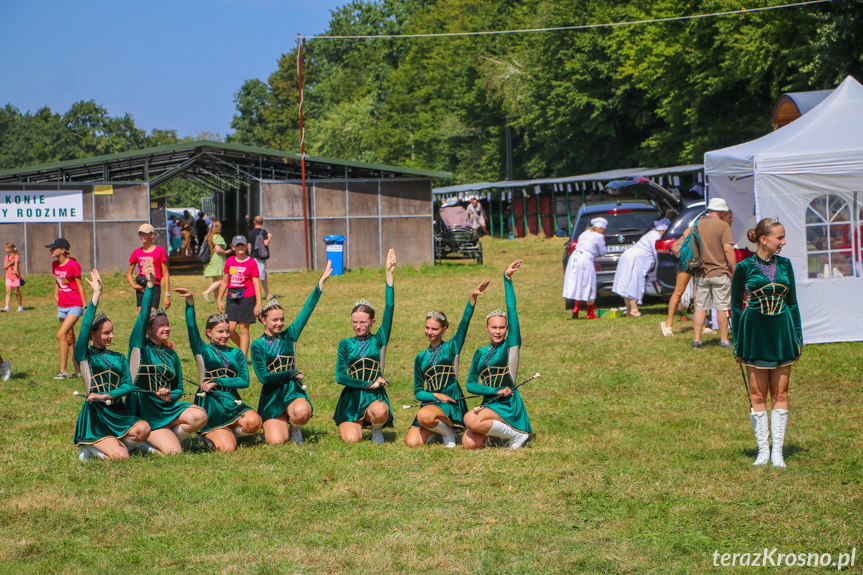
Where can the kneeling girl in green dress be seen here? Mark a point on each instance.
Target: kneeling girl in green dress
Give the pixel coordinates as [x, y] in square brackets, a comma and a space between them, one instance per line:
[222, 371]
[284, 405]
[436, 379]
[360, 367]
[106, 431]
[492, 374]
[768, 336]
[158, 370]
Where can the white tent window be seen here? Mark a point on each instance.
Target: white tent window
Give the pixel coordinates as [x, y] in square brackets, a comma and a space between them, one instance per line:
[829, 237]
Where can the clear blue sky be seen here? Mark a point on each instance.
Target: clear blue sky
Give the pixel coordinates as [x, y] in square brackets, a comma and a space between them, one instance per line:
[172, 65]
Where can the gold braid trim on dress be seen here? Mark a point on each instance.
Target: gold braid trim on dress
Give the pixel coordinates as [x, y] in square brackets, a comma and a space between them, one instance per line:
[438, 376]
[154, 376]
[220, 372]
[770, 299]
[364, 369]
[101, 382]
[281, 363]
[493, 376]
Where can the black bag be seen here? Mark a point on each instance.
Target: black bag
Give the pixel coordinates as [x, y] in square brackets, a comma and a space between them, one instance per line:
[260, 249]
[236, 294]
[21, 281]
[204, 255]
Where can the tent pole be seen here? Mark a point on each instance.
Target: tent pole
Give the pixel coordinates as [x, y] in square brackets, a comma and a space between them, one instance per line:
[303, 148]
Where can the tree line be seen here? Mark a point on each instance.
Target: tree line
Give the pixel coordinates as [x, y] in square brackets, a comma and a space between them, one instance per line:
[569, 102]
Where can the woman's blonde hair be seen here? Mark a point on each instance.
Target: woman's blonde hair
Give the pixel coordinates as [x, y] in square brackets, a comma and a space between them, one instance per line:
[209, 238]
[12, 247]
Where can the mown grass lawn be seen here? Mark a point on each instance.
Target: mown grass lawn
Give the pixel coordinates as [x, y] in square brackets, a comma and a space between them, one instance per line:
[641, 460]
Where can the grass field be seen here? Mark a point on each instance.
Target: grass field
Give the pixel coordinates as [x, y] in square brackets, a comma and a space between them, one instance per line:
[641, 460]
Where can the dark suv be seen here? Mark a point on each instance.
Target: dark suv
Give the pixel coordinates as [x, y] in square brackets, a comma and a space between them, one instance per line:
[627, 222]
[666, 264]
[634, 205]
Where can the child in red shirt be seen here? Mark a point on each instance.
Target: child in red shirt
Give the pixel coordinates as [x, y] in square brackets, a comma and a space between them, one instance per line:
[69, 295]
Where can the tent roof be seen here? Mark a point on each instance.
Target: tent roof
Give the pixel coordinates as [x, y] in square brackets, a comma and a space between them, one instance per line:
[203, 159]
[830, 129]
[594, 177]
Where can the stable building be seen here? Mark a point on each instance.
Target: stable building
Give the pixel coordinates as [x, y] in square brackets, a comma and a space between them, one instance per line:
[98, 204]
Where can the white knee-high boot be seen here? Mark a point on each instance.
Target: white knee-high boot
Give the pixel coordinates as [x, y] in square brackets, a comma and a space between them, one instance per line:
[778, 424]
[296, 433]
[180, 432]
[85, 451]
[238, 432]
[377, 433]
[446, 432]
[500, 429]
[762, 432]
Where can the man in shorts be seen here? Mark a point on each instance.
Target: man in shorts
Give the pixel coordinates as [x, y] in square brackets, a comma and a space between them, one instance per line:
[713, 280]
[266, 237]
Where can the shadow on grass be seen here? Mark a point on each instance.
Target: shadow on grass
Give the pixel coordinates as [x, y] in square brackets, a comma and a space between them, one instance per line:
[789, 450]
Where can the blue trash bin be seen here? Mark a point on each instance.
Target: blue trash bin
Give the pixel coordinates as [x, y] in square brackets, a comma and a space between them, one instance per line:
[336, 253]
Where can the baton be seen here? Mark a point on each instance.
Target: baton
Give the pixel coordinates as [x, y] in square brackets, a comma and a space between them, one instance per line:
[76, 393]
[746, 386]
[466, 397]
[214, 392]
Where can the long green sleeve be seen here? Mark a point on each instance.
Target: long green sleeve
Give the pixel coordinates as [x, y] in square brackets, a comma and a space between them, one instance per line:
[177, 392]
[738, 290]
[419, 381]
[83, 341]
[342, 377]
[513, 338]
[126, 386]
[139, 332]
[242, 378]
[473, 384]
[296, 328]
[457, 342]
[195, 341]
[791, 302]
[383, 334]
[258, 351]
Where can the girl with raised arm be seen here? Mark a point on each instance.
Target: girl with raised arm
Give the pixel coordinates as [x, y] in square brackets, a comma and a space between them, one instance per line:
[222, 371]
[768, 334]
[106, 431]
[157, 369]
[436, 379]
[360, 368]
[492, 374]
[284, 405]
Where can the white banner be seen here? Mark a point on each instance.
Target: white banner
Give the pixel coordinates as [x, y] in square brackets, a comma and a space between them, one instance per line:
[41, 206]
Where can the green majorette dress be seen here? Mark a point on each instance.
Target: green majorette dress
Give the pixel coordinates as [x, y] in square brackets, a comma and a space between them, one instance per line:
[227, 367]
[768, 333]
[436, 371]
[496, 366]
[155, 366]
[360, 362]
[103, 371]
[274, 361]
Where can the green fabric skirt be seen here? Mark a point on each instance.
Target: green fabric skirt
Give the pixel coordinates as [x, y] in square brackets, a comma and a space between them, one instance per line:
[454, 411]
[353, 404]
[221, 411]
[98, 421]
[275, 399]
[511, 410]
[767, 341]
[154, 411]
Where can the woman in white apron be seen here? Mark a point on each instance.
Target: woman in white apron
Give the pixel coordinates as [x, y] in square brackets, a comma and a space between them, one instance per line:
[579, 281]
[635, 263]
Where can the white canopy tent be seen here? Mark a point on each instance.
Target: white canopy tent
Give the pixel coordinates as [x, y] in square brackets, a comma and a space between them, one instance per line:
[809, 174]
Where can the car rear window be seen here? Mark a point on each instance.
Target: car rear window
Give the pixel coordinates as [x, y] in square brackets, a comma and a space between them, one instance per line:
[621, 222]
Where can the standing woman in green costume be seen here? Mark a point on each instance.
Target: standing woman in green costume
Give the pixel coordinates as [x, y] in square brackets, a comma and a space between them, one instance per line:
[222, 371]
[492, 374]
[768, 336]
[360, 368]
[106, 431]
[284, 405]
[436, 378]
[157, 369]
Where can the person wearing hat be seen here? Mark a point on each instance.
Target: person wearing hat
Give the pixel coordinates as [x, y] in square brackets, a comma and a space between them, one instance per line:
[155, 255]
[713, 279]
[579, 281]
[635, 263]
[69, 295]
[241, 281]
